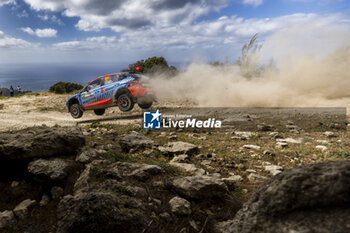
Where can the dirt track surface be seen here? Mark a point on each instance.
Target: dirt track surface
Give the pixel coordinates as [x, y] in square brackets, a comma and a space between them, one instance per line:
[49, 109]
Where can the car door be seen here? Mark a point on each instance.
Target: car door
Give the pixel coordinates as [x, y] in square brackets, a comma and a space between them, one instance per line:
[91, 94]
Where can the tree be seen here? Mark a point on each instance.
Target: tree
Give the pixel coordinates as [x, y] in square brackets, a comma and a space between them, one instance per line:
[153, 65]
[248, 61]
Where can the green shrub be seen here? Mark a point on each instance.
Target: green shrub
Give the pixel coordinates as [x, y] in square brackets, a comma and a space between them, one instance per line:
[65, 87]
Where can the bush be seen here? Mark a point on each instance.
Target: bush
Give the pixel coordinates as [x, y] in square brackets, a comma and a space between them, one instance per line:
[65, 87]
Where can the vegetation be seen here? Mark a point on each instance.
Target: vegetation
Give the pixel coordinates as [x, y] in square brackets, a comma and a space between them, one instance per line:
[65, 87]
[153, 65]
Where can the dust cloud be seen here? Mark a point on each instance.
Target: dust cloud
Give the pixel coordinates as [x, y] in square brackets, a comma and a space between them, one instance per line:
[311, 69]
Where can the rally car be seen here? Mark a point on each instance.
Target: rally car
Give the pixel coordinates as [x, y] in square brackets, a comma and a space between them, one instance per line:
[119, 89]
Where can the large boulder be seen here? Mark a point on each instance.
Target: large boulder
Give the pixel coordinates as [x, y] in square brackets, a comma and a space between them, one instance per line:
[41, 142]
[198, 187]
[176, 148]
[51, 169]
[100, 211]
[135, 141]
[313, 198]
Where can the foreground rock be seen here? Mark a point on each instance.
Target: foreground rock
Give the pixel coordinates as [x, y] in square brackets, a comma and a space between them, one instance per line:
[6, 218]
[198, 187]
[313, 198]
[22, 208]
[135, 141]
[41, 142]
[180, 206]
[176, 148]
[53, 169]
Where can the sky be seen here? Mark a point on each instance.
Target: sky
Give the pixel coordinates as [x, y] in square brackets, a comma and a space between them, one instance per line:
[97, 31]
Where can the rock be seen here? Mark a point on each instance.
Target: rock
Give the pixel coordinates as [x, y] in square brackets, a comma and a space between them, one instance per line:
[165, 216]
[323, 142]
[250, 171]
[53, 169]
[14, 184]
[312, 198]
[273, 169]
[148, 152]
[21, 210]
[135, 141]
[6, 218]
[281, 145]
[265, 127]
[254, 147]
[180, 206]
[198, 187]
[44, 200]
[146, 171]
[175, 148]
[255, 178]
[41, 142]
[290, 140]
[321, 148]
[188, 167]
[86, 156]
[180, 159]
[100, 211]
[329, 134]
[234, 178]
[56, 192]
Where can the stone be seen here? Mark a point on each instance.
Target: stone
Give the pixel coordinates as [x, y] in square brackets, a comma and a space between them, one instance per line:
[56, 192]
[165, 216]
[188, 167]
[289, 140]
[256, 178]
[145, 172]
[254, 147]
[175, 148]
[281, 145]
[311, 198]
[265, 127]
[180, 206]
[14, 184]
[44, 200]
[40, 142]
[180, 159]
[86, 156]
[273, 169]
[21, 210]
[198, 187]
[321, 148]
[6, 218]
[53, 169]
[135, 141]
[329, 134]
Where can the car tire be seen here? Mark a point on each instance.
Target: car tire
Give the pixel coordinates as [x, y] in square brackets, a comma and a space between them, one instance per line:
[145, 105]
[125, 102]
[99, 112]
[75, 111]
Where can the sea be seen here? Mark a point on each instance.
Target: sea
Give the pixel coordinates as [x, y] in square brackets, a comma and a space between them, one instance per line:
[39, 77]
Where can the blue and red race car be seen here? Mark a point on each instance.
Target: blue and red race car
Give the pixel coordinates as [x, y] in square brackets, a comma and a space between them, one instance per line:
[120, 89]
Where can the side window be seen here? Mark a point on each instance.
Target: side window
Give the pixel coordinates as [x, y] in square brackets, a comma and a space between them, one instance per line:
[95, 84]
[109, 79]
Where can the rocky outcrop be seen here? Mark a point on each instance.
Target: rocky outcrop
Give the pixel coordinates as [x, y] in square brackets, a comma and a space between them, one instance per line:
[22, 208]
[6, 218]
[313, 198]
[41, 142]
[198, 187]
[135, 141]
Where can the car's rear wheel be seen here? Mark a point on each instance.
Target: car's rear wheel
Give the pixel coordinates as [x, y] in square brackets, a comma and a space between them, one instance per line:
[75, 111]
[145, 105]
[125, 102]
[99, 112]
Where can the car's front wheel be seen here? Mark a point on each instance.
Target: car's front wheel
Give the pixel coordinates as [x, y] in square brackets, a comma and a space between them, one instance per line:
[125, 102]
[75, 111]
[99, 112]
